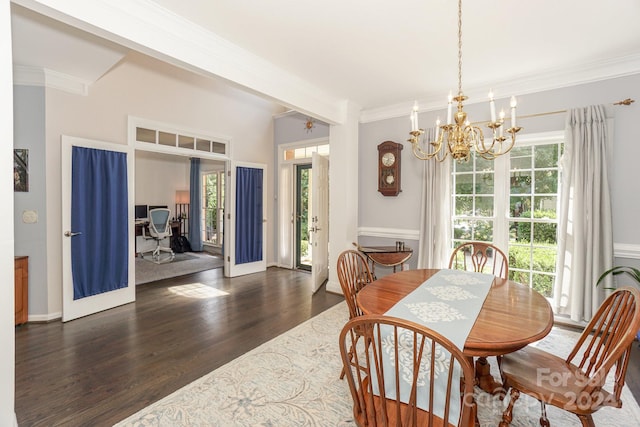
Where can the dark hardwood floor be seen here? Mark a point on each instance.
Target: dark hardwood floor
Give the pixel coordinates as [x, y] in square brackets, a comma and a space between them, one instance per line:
[98, 370]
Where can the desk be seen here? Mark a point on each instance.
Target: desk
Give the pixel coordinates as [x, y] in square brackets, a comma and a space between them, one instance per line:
[175, 232]
[388, 256]
[512, 316]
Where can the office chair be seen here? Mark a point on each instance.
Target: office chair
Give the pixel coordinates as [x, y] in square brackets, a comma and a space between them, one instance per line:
[159, 229]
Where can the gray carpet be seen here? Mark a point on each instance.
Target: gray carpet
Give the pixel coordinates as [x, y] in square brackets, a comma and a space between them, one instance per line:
[293, 380]
[185, 263]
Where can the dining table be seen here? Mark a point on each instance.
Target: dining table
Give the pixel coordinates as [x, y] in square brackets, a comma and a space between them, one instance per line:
[512, 316]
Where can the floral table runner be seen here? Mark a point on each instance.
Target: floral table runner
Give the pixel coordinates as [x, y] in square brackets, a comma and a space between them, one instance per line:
[449, 303]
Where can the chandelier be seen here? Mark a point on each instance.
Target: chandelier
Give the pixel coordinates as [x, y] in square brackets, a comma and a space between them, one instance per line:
[458, 136]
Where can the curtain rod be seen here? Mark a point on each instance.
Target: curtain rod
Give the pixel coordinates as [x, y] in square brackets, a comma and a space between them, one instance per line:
[627, 101]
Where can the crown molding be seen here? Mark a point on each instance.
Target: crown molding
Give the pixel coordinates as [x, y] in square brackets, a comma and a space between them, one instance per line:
[37, 76]
[552, 79]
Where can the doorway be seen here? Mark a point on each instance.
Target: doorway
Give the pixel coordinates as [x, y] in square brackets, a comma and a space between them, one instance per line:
[303, 207]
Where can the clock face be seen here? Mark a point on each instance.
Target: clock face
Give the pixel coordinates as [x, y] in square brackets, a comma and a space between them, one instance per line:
[388, 159]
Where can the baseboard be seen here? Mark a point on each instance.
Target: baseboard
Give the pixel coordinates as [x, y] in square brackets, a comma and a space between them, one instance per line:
[44, 318]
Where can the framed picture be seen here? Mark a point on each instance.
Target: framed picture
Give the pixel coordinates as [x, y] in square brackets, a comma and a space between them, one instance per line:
[20, 169]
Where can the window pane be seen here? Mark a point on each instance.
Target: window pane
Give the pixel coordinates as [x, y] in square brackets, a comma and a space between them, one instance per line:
[543, 283]
[186, 141]
[484, 206]
[547, 205]
[483, 164]
[463, 167]
[145, 135]
[521, 182]
[464, 205]
[547, 156]
[165, 138]
[484, 184]
[544, 259]
[203, 145]
[520, 158]
[289, 154]
[461, 230]
[482, 231]
[219, 148]
[323, 149]
[545, 232]
[546, 182]
[520, 206]
[464, 184]
[520, 231]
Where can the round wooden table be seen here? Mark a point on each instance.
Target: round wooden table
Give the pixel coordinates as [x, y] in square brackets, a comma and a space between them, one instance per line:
[512, 316]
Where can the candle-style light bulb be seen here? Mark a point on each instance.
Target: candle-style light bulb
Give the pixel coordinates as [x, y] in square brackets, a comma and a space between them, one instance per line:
[437, 128]
[492, 106]
[449, 108]
[513, 111]
[415, 115]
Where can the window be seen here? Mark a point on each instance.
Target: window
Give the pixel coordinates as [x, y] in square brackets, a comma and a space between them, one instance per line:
[512, 202]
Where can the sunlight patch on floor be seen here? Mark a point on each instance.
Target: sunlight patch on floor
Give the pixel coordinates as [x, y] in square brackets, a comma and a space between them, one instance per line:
[197, 290]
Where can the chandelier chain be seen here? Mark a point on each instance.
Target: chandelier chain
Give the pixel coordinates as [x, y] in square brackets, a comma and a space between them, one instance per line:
[459, 47]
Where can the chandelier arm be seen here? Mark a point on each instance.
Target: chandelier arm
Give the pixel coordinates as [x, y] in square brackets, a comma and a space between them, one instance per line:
[419, 152]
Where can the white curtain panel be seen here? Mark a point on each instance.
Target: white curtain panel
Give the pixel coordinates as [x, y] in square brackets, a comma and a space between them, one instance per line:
[435, 223]
[585, 240]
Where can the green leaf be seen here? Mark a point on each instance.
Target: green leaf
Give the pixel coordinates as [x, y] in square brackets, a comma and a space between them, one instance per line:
[621, 269]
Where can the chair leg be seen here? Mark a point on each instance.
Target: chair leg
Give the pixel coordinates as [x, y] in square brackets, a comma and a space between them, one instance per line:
[507, 415]
[544, 421]
[586, 420]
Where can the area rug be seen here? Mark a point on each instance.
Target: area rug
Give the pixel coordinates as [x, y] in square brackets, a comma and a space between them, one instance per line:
[293, 380]
[184, 263]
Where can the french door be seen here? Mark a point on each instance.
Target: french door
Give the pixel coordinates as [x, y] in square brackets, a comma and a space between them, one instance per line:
[88, 292]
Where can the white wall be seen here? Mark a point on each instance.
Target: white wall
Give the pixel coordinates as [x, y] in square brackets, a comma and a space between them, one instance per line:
[146, 88]
[158, 176]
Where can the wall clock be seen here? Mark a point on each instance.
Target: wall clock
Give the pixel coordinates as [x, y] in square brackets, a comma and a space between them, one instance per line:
[389, 174]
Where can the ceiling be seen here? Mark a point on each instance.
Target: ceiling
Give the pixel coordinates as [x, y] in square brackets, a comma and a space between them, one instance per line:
[378, 53]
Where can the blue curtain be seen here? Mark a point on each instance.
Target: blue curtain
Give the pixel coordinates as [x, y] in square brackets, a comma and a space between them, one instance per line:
[99, 211]
[195, 207]
[248, 215]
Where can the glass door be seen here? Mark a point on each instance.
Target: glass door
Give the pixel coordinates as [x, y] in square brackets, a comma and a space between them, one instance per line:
[303, 200]
[213, 208]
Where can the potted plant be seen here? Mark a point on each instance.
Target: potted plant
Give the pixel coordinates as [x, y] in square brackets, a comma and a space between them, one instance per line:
[622, 269]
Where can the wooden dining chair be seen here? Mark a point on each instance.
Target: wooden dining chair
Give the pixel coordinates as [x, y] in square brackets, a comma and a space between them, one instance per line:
[353, 275]
[434, 378]
[481, 257]
[577, 383]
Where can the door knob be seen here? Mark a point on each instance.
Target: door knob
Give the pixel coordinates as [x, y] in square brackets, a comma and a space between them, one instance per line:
[71, 233]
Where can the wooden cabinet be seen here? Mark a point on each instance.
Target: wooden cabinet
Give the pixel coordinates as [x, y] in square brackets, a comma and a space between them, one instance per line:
[21, 269]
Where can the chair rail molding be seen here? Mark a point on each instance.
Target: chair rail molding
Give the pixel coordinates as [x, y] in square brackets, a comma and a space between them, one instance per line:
[389, 233]
[625, 250]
